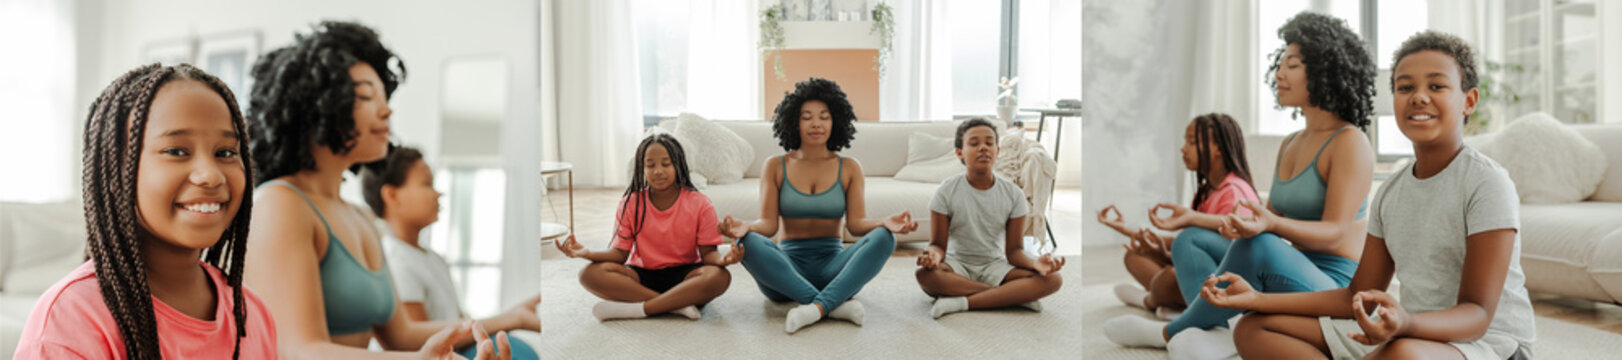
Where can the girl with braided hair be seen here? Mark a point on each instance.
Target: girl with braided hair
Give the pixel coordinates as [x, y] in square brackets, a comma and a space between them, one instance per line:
[663, 258]
[320, 108]
[166, 199]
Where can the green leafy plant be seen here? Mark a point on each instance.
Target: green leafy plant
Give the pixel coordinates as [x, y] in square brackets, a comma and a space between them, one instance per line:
[1492, 89]
[771, 37]
[884, 25]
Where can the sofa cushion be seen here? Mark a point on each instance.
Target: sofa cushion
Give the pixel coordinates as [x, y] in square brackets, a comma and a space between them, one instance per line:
[930, 159]
[1562, 244]
[1609, 139]
[1549, 162]
[713, 150]
[40, 244]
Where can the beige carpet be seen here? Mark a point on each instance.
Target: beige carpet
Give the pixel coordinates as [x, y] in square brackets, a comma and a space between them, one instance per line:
[1556, 339]
[742, 324]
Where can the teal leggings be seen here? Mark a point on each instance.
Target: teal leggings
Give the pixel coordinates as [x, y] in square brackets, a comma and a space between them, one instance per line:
[520, 350]
[1268, 263]
[817, 270]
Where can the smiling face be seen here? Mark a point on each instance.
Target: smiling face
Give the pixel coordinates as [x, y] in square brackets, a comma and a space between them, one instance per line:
[816, 123]
[657, 168]
[1428, 101]
[190, 177]
[979, 149]
[371, 115]
[1290, 81]
[415, 201]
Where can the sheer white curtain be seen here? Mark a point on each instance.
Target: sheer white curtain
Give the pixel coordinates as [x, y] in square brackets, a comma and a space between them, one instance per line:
[723, 67]
[1224, 71]
[918, 84]
[1466, 19]
[37, 125]
[598, 90]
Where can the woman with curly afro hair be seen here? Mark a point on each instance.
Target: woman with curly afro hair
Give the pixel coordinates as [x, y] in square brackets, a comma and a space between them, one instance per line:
[809, 190]
[320, 107]
[1326, 72]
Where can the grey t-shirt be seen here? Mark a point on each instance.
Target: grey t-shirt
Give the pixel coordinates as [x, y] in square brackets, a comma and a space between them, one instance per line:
[1425, 223]
[979, 224]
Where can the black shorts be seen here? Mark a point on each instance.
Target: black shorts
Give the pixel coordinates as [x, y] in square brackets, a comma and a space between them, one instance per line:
[662, 280]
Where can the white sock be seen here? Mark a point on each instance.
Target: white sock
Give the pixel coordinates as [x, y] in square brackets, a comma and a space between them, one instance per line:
[1193, 343]
[948, 305]
[1133, 330]
[610, 310]
[851, 310]
[691, 312]
[1131, 294]
[1167, 314]
[800, 316]
[1034, 305]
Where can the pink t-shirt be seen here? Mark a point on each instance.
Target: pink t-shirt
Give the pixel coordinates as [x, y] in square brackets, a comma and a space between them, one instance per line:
[1227, 194]
[71, 321]
[669, 237]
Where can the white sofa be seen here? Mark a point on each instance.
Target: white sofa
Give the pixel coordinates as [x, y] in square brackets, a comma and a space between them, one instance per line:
[1575, 249]
[882, 149]
[39, 244]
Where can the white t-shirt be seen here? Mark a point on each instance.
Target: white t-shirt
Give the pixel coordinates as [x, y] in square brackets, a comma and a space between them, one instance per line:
[422, 276]
[1425, 223]
[979, 226]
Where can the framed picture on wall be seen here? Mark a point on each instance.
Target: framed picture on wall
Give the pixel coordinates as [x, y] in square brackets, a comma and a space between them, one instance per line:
[169, 52]
[230, 57]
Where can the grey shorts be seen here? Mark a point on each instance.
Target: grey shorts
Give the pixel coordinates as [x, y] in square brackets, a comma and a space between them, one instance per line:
[990, 273]
[1492, 346]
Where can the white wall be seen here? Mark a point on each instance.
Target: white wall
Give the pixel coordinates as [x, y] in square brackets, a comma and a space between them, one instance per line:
[423, 33]
[1136, 105]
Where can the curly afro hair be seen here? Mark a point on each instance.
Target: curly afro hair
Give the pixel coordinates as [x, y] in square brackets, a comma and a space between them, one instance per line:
[786, 123]
[303, 95]
[1340, 70]
[1446, 43]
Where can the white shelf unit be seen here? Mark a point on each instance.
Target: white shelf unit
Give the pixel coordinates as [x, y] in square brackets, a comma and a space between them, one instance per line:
[1559, 45]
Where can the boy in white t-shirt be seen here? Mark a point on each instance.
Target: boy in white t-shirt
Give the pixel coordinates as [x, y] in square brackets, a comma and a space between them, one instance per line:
[1445, 226]
[400, 190]
[976, 256]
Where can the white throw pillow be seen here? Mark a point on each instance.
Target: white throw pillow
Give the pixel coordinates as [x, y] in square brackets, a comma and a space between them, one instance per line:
[713, 150]
[930, 159]
[1549, 162]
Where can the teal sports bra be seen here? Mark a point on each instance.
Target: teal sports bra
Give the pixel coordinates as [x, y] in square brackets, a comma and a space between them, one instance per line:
[828, 204]
[356, 298]
[1304, 199]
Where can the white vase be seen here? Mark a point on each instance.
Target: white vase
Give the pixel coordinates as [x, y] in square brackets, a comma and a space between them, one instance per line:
[1006, 114]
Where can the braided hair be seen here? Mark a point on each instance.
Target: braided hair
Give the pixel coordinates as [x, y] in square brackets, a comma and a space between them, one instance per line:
[1221, 130]
[112, 149]
[636, 195]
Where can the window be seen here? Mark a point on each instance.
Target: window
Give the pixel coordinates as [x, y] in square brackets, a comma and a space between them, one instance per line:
[36, 102]
[1398, 21]
[471, 241]
[975, 40]
[1049, 52]
[661, 29]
